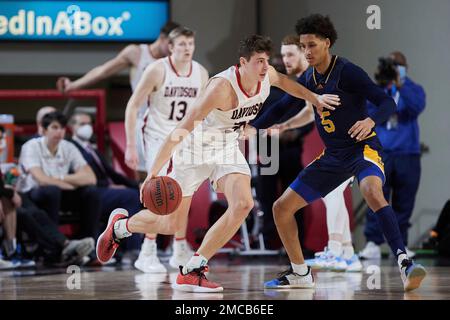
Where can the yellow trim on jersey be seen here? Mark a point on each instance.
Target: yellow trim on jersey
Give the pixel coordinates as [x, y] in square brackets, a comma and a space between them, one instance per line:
[329, 73]
[372, 155]
[373, 134]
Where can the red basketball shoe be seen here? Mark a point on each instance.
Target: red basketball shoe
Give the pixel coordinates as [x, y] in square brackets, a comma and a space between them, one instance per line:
[107, 243]
[196, 281]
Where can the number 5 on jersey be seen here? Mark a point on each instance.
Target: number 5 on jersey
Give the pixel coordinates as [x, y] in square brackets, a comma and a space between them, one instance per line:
[328, 125]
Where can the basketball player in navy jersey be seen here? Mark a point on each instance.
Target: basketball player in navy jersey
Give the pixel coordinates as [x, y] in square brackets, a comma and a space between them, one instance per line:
[352, 149]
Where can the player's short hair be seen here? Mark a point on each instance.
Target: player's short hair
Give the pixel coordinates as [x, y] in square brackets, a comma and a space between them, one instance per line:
[291, 39]
[255, 44]
[168, 27]
[2, 129]
[318, 25]
[180, 31]
[56, 116]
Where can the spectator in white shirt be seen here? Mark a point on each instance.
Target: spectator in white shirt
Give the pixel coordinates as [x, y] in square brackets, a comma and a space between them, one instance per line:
[56, 176]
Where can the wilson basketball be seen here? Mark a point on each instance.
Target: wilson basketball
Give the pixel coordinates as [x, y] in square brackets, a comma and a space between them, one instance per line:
[162, 195]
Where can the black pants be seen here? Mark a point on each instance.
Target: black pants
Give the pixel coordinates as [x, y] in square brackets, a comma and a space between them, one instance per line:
[267, 189]
[443, 230]
[84, 200]
[41, 229]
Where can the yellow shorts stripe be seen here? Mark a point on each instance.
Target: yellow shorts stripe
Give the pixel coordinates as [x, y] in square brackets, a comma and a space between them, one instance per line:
[373, 156]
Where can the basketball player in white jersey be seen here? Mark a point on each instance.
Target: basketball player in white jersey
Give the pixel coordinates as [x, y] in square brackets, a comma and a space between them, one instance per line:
[339, 254]
[134, 56]
[171, 84]
[210, 150]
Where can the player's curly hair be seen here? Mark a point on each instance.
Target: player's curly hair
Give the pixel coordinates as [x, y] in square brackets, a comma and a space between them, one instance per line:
[255, 44]
[318, 25]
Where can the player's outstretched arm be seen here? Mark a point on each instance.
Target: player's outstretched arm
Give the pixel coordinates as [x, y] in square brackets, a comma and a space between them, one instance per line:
[151, 80]
[301, 119]
[111, 67]
[325, 101]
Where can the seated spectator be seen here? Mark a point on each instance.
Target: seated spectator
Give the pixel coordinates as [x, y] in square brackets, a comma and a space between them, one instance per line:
[56, 249]
[116, 190]
[56, 176]
[9, 202]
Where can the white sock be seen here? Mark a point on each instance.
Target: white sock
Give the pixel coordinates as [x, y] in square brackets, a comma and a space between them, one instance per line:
[121, 230]
[301, 269]
[347, 252]
[196, 261]
[335, 247]
[179, 245]
[149, 246]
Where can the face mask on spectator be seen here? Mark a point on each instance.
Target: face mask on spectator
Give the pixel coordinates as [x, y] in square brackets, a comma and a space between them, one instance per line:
[85, 132]
[402, 73]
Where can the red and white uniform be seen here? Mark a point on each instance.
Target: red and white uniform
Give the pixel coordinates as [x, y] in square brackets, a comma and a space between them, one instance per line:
[212, 151]
[168, 106]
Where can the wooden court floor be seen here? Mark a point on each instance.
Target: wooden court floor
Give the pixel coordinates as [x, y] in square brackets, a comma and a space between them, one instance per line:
[242, 279]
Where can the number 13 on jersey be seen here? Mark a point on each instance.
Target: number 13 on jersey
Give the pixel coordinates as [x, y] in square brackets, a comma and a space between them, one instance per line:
[178, 110]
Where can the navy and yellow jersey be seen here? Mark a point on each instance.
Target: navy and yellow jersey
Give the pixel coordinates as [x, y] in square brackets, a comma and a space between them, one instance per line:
[354, 87]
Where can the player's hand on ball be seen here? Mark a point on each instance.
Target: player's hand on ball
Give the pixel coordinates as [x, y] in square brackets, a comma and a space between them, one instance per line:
[361, 129]
[327, 101]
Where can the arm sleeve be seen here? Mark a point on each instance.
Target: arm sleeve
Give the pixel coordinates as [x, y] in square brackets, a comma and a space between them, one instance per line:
[287, 105]
[355, 80]
[412, 99]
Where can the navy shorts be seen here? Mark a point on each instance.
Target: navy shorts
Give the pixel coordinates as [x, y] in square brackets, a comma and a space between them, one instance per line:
[334, 166]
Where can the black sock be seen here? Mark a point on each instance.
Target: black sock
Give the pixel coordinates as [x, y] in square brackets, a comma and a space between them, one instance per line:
[389, 225]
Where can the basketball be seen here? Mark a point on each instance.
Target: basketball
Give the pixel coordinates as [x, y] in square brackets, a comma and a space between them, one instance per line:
[162, 195]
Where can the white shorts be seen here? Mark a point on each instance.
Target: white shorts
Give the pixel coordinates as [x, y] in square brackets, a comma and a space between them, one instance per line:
[191, 174]
[152, 146]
